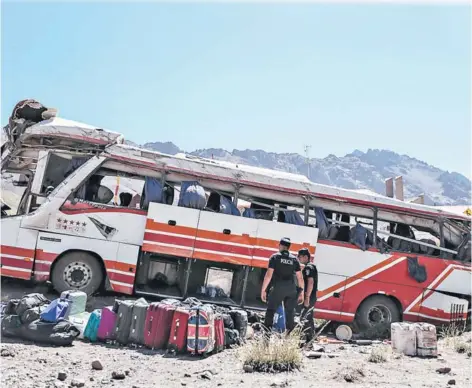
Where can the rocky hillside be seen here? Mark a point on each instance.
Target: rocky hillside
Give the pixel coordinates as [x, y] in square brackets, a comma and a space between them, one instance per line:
[357, 170]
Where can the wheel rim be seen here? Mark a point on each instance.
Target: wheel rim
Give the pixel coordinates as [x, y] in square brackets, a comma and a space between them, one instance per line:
[379, 315]
[77, 275]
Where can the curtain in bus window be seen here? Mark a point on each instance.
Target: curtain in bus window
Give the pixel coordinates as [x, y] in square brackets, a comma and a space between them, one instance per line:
[228, 207]
[293, 217]
[192, 195]
[322, 223]
[249, 213]
[152, 191]
[415, 270]
[359, 237]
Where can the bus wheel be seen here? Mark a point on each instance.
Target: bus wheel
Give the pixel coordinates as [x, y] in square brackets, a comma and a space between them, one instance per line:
[377, 312]
[77, 270]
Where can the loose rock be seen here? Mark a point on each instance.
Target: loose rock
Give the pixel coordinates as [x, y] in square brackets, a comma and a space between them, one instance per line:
[97, 365]
[451, 382]
[77, 383]
[62, 376]
[314, 355]
[5, 352]
[443, 370]
[207, 375]
[248, 369]
[118, 375]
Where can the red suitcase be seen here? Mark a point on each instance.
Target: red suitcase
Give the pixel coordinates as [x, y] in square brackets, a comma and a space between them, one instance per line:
[178, 331]
[157, 327]
[219, 334]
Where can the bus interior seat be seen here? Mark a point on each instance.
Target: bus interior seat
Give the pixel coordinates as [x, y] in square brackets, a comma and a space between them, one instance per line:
[192, 195]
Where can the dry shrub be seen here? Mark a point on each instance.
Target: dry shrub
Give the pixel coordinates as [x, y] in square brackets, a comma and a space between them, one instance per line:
[276, 353]
[462, 347]
[451, 334]
[378, 355]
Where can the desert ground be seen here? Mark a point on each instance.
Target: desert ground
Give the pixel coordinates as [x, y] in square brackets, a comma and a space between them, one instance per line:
[27, 365]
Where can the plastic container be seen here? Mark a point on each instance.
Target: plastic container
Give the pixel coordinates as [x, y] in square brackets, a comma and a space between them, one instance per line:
[80, 321]
[426, 340]
[279, 319]
[404, 338]
[343, 333]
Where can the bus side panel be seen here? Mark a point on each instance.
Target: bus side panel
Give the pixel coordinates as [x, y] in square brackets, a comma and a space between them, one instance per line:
[439, 308]
[225, 238]
[51, 245]
[170, 230]
[18, 245]
[270, 233]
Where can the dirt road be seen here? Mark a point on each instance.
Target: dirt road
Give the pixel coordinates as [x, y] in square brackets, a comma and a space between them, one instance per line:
[27, 365]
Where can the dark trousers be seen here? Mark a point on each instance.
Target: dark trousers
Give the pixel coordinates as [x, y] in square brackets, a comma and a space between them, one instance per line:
[286, 293]
[308, 320]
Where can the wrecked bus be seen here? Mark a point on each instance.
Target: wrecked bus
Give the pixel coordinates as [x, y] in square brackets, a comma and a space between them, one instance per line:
[95, 213]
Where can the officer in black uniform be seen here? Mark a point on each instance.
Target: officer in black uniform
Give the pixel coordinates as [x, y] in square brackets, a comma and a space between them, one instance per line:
[310, 279]
[280, 275]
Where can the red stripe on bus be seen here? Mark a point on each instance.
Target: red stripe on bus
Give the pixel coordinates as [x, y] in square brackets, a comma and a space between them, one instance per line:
[16, 251]
[16, 263]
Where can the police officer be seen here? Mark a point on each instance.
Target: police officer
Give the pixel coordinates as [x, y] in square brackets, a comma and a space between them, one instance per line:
[280, 275]
[310, 279]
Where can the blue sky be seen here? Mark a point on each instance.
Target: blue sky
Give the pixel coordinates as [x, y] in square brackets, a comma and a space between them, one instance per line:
[275, 77]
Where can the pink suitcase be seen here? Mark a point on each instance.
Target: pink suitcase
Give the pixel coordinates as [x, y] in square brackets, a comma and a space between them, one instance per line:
[107, 324]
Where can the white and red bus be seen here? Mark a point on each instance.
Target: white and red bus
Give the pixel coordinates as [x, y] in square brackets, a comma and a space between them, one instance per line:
[97, 214]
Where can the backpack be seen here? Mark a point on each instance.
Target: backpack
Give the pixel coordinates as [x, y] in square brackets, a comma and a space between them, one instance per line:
[57, 310]
[32, 314]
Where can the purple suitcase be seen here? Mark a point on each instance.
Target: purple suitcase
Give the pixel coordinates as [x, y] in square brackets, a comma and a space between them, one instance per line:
[107, 324]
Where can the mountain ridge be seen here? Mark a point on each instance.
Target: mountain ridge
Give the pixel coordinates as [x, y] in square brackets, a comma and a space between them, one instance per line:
[355, 170]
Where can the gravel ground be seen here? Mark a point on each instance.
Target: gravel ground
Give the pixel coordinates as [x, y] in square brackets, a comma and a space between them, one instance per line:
[28, 365]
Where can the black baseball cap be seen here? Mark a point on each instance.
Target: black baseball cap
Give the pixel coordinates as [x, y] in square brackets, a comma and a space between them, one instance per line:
[285, 242]
[304, 252]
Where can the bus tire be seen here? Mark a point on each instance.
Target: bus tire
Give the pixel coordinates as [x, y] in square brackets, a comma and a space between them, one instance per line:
[77, 270]
[377, 312]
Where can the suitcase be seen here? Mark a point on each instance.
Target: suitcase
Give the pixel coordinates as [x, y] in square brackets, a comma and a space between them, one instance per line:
[201, 330]
[240, 322]
[178, 330]
[91, 329]
[77, 300]
[136, 334]
[123, 321]
[107, 324]
[80, 322]
[157, 326]
[219, 334]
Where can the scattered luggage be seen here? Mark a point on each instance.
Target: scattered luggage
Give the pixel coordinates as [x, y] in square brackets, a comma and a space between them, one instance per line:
[77, 300]
[80, 322]
[11, 325]
[227, 321]
[11, 307]
[56, 311]
[138, 320]
[231, 337]
[123, 321]
[61, 333]
[91, 329]
[29, 301]
[240, 322]
[107, 324]
[219, 334]
[178, 331]
[32, 314]
[201, 330]
[158, 325]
